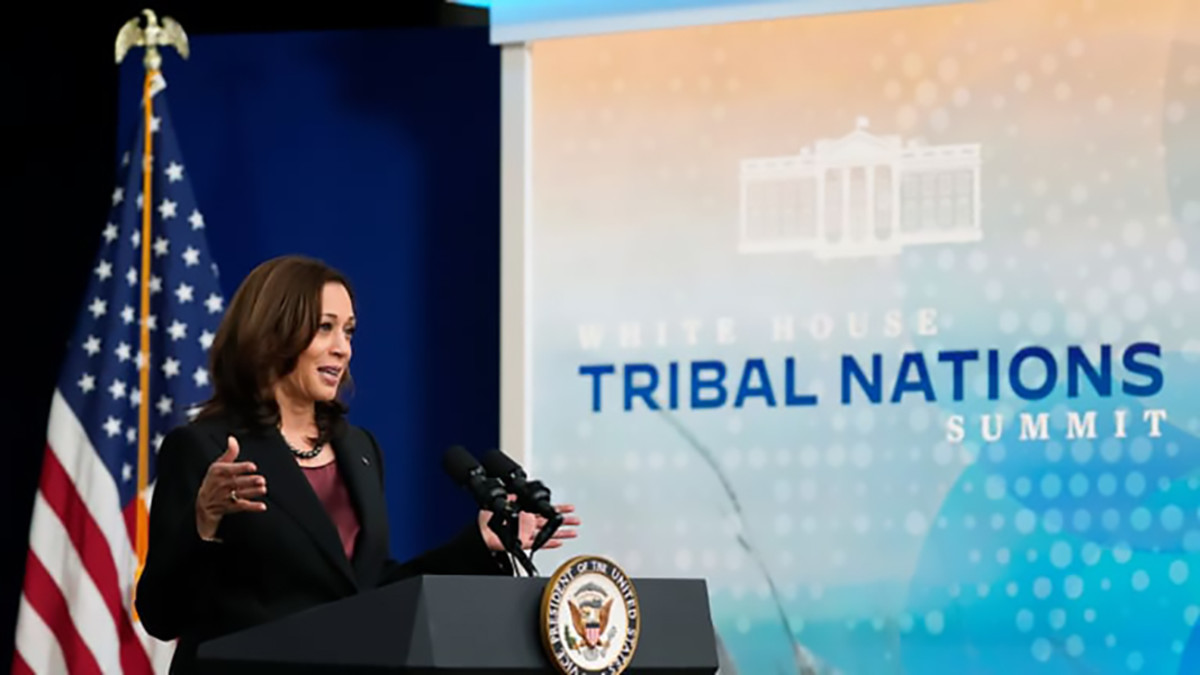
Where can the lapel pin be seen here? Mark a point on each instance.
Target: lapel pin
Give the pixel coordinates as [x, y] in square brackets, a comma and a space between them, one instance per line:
[366, 461]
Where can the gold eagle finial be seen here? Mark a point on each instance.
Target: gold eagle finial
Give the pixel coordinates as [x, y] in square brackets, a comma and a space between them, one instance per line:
[167, 34]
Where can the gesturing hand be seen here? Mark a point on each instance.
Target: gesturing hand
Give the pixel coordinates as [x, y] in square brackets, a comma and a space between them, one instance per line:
[229, 487]
[529, 526]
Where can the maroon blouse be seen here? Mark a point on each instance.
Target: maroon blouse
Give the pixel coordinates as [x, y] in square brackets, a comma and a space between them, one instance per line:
[331, 490]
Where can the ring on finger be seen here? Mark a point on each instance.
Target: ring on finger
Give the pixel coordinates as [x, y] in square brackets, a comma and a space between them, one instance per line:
[233, 495]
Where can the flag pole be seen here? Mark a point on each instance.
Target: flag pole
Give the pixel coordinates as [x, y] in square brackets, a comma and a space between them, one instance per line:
[151, 37]
[143, 366]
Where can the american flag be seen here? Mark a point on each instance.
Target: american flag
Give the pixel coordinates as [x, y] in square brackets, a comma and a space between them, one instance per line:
[75, 613]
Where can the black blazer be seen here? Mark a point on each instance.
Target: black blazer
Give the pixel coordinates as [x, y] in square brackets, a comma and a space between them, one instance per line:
[277, 562]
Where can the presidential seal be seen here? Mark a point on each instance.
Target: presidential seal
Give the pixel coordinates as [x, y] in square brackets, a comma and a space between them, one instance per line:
[590, 617]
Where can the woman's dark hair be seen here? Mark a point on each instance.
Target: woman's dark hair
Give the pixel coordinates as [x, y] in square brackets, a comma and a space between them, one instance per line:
[271, 320]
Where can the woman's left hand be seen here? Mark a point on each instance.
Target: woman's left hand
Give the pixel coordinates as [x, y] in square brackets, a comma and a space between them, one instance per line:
[531, 524]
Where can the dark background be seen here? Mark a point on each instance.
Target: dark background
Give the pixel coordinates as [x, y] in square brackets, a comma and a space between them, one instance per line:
[427, 265]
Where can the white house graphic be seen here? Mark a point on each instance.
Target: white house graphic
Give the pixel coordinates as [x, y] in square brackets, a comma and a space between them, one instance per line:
[860, 195]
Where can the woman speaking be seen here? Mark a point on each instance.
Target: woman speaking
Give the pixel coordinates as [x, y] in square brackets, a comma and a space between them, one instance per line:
[269, 502]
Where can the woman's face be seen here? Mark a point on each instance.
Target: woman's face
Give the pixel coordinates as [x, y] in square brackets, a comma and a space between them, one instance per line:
[320, 368]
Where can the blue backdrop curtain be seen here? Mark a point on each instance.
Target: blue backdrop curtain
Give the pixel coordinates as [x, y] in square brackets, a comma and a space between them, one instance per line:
[377, 151]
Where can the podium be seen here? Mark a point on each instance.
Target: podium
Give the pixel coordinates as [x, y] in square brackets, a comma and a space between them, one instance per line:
[476, 625]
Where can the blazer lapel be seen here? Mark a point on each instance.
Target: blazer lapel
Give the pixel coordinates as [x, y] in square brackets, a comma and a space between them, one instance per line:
[354, 458]
[288, 489]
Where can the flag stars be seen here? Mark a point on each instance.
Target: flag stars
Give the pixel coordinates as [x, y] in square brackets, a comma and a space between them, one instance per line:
[127, 470]
[99, 308]
[191, 256]
[190, 315]
[213, 303]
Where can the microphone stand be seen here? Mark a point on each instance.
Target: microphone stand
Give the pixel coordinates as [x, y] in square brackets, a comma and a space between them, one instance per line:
[490, 495]
[544, 535]
[506, 524]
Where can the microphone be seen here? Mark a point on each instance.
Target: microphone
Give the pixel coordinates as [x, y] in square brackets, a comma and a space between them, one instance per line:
[532, 495]
[490, 495]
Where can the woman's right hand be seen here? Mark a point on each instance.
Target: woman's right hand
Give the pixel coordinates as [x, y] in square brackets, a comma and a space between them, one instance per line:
[229, 487]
